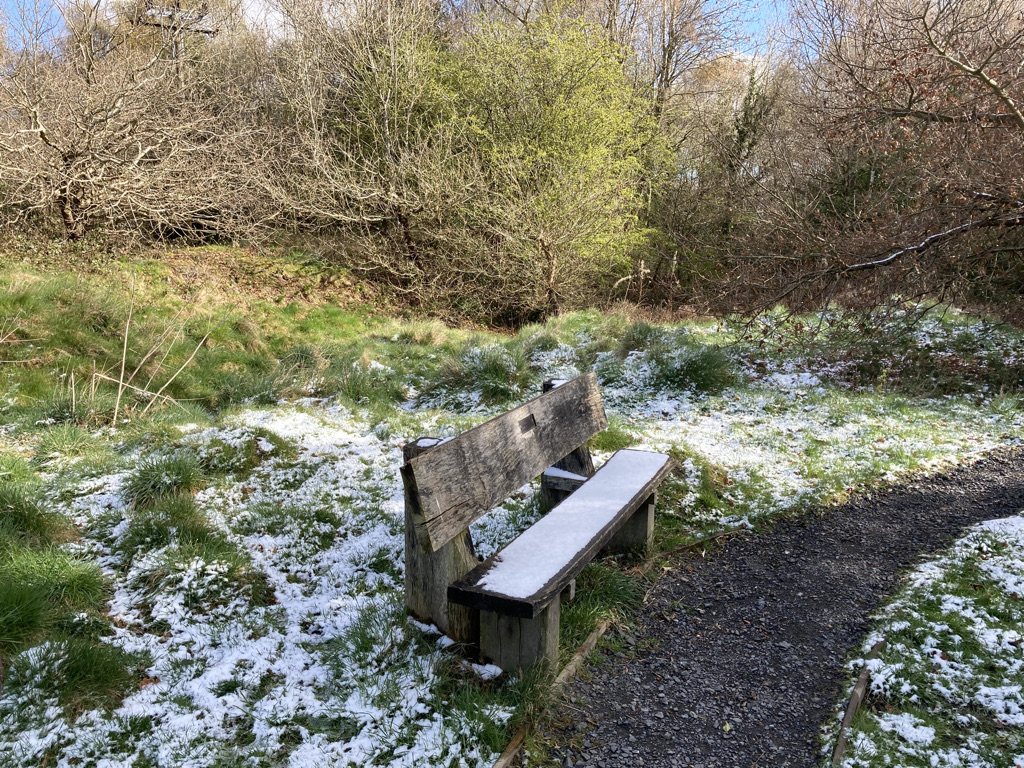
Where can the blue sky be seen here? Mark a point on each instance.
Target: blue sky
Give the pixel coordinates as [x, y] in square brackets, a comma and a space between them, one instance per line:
[757, 16]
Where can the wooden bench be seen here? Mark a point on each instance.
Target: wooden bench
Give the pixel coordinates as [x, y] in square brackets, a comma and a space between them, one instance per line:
[509, 604]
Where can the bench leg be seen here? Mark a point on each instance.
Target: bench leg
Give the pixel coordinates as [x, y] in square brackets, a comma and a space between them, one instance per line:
[550, 497]
[515, 644]
[427, 576]
[638, 531]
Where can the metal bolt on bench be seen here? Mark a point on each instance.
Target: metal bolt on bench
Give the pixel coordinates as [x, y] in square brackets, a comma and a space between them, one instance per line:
[509, 604]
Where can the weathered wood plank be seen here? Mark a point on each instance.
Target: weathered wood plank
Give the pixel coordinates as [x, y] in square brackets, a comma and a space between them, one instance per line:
[515, 644]
[544, 546]
[428, 574]
[561, 482]
[460, 480]
[637, 531]
[577, 461]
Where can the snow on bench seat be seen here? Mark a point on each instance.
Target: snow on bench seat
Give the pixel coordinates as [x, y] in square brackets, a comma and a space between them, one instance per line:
[528, 573]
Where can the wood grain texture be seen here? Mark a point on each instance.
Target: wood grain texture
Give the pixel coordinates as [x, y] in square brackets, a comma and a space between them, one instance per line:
[469, 592]
[428, 574]
[638, 531]
[564, 484]
[456, 482]
[578, 461]
[515, 644]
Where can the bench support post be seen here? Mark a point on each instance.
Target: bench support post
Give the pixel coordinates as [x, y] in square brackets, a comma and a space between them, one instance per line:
[579, 462]
[515, 644]
[428, 574]
[638, 530]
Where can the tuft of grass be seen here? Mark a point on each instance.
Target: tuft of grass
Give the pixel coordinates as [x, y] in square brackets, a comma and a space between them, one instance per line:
[162, 476]
[25, 614]
[366, 386]
[15, 469]
[699, 369]
[22, 517]
[169, 520]
[242, 456]
[78, 673]
[538, 338]
[615, 437]
[637, 337]
[85, 407]
[425, 333]
[65, 444]
[602, 592]
[66, 581]
[213, 569]
[499, 373]
[62, 440]
[305, 357]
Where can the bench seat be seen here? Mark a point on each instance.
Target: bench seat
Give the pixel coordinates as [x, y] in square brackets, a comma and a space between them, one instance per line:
[531, 571]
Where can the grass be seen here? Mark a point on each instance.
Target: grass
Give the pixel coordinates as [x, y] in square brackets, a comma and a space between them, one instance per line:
[604, 592]
[243, 451]
[48, 595]
[79, 674]
[24, 519]
[259, 538]
[948, 680]
[699, 369]
[170, 520]
[493, 374]
[163, 476]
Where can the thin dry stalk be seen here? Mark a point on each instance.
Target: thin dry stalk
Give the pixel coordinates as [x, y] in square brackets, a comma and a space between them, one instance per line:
[183, 365]
[157, 345]
[124, 352]
[140, 390]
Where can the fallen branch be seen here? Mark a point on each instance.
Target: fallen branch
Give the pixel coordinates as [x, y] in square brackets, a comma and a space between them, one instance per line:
[859, 692]
[936, 239]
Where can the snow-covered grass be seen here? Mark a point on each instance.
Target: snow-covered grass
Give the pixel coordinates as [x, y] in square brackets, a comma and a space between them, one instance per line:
[946, 689]
[252, 557]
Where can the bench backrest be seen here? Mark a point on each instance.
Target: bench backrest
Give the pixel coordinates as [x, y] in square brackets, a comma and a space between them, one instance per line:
[451, 485]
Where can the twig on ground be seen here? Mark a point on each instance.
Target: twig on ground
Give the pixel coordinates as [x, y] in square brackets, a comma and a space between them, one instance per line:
[859, 691]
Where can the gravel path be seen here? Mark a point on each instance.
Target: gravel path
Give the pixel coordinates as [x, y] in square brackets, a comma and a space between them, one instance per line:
[754, 634]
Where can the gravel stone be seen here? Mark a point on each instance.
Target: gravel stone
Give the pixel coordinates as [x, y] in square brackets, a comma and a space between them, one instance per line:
[754, 633]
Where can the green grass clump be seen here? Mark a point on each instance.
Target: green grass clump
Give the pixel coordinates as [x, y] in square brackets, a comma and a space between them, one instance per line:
[637, 338]
[245, 454]
[214, 569]
[305, 357]
[66, 581]
[79, 673]
[42, 589]
[499, 373]
[174, 519]
[85, 407]
[15, 469]
[66, 446]
[162, 476]
[602, 592]
[699, 369]
[366, 386]
[62, 441]
[25, 614]
[23, 517]
[614, 437]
